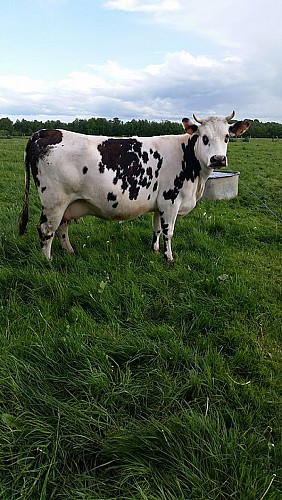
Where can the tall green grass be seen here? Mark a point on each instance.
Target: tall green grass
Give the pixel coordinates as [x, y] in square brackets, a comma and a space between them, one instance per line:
[124, 377]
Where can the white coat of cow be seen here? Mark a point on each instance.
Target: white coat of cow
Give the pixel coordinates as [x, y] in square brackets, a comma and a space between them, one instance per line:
[121, 178]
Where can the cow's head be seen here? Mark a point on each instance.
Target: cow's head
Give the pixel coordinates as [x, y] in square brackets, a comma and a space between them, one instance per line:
[212, 138]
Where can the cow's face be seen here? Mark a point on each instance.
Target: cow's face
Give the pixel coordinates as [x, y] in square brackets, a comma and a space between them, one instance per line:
[213, 136]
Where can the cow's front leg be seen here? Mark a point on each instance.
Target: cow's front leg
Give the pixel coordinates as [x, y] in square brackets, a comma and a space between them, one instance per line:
[156, 222]
[167, 225]
[62, 233]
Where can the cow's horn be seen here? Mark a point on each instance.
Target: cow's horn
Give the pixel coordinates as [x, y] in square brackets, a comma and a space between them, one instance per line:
[229, 118]
[199, 120]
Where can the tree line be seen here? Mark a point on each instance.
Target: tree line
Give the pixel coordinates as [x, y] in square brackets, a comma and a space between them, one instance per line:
[117, 127]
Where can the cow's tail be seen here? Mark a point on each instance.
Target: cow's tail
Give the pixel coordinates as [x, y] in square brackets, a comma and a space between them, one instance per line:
[24, 215]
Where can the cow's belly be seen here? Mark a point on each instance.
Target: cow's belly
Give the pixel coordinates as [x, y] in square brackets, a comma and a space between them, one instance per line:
[80, 208]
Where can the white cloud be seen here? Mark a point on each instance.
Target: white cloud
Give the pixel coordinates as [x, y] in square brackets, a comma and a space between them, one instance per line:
[227, 56]
[252, 26]
[180, 85]
[112, 72]
[20, 84]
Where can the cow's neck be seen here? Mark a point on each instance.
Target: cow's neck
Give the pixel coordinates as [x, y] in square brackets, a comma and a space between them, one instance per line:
[191, 164]
[195, 172]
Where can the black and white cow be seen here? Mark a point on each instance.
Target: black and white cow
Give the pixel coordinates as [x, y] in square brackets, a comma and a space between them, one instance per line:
[121, 178]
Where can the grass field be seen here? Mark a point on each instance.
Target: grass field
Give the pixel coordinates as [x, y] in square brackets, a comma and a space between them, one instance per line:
[125, 377]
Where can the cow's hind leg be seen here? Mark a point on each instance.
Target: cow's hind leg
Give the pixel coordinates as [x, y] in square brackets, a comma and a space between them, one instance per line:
[62, 233]
[47, 227]
[156, 222]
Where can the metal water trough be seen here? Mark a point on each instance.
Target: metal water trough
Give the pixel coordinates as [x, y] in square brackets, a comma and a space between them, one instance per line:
[221, 186]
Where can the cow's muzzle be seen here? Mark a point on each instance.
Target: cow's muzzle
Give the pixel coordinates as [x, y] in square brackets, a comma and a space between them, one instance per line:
[218, 161]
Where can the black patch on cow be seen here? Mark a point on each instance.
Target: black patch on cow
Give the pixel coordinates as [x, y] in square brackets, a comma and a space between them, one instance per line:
[145, 157]
[44, 138]
[134, 189]
[149, 197]
[101, 168]
[43, 237]
[43, 189]
[63, 236]
[127, 160]
[124, 184]
[111, 197]
[149, 172]
[85, 170]
[190, 169]
[164, 226]
[43, 219]
[38, 146]
[155, 187]
[190, 163]
[115, 205]
[159, 163]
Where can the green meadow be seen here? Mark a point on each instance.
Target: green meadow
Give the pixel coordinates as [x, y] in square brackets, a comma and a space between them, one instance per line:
[125, 377]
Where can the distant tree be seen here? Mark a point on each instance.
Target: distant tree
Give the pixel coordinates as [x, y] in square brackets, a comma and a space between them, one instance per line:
[97, 126]
[267, 129]
[79, 125]
[130, 128]
[6, 126]
[53, 124]
[22, 128]
[116, 127]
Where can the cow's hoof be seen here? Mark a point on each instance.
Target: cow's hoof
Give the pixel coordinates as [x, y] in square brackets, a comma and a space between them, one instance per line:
[169, 259]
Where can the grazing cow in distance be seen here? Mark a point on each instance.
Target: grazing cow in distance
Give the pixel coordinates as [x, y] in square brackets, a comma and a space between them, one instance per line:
[121, 178]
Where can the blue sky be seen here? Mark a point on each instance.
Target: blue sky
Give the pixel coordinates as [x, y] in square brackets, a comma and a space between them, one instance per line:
[140, 59]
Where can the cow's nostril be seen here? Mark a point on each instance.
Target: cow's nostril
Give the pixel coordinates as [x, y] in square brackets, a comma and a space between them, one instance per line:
[218, 161]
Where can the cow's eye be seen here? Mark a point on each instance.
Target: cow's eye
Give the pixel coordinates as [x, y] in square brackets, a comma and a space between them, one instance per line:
[205, 140]
[226, 138]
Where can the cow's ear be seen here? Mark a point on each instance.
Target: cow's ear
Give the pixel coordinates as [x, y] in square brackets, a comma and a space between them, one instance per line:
[239, 128]
[189, 126]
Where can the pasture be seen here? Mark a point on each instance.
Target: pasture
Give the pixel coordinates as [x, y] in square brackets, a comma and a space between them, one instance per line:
[125, 377]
